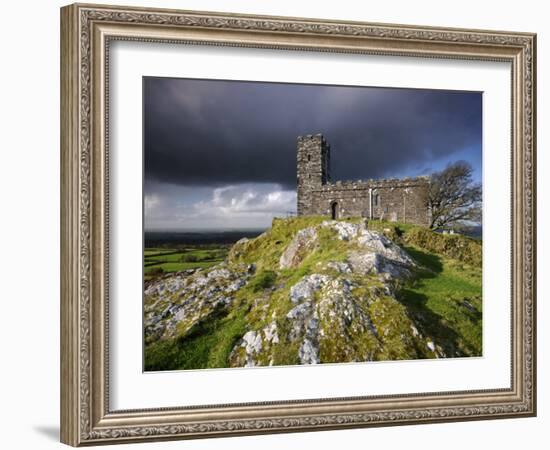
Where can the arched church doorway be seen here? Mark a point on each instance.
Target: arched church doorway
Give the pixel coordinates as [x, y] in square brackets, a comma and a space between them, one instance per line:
[334, 210]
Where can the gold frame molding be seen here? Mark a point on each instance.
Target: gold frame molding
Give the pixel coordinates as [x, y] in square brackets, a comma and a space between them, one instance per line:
[86, 31]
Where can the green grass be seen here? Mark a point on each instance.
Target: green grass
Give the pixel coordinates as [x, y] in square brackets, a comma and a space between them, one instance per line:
[454, 246]
[462, 248]
[175, 260]
[445, 296]
[262, 280]
[207, 344]
[445, 299]
[398, 227]
[167, 257]
[265, 251]
[329, 248]
[181, 256]
[153, 251]
[177, 266]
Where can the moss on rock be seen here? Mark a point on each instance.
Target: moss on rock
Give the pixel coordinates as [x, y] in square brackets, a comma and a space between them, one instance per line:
[420, 298]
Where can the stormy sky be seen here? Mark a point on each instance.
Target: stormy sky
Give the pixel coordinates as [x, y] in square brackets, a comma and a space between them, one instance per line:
[222, 154]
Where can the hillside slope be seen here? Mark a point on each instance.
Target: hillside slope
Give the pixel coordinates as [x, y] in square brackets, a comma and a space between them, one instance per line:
[310, 290]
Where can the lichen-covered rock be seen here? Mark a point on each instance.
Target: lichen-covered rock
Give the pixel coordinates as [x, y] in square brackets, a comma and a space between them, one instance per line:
[173, 305]
[347, 329]
[308, 352]
[335, 319]
[270, 333]
[304, 242]
[254, 343]
[339, 266]
[346, 231]
[371, 252]
[375, 263]
[305, 288]
[377, 242]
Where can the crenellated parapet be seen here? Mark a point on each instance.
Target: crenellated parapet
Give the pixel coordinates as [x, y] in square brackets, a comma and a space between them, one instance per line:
[385, 183]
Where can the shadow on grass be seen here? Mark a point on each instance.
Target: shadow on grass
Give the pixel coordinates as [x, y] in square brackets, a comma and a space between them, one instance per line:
[428, 322]
[428, 262]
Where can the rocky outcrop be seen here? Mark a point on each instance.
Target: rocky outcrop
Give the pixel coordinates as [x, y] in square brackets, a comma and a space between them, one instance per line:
[174, 304]
[303, 243]
[341, 309]
[342, 315]
[306, 288]
[337, 320]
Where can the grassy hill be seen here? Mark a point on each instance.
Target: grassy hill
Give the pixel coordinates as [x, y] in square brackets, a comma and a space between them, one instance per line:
[310, 290]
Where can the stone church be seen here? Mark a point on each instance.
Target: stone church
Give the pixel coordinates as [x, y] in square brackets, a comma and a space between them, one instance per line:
[397, 200]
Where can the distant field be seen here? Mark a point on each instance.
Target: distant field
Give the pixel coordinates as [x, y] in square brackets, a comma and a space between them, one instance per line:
[158, 261]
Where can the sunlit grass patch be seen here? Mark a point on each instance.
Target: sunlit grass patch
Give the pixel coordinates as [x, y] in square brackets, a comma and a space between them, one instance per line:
[445, 299]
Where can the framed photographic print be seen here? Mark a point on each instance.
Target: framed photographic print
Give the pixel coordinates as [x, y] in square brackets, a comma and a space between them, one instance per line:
[276, 224]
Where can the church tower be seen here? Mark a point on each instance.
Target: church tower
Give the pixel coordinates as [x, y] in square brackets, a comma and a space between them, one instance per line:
[313, 163]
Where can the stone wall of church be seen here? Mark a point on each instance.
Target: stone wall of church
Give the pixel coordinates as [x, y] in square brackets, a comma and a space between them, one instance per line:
[402, 200]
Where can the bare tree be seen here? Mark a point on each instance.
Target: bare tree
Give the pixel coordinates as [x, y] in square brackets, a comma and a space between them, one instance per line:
[454, 197]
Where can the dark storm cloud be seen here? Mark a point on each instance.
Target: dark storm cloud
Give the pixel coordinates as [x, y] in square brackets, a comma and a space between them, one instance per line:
[214, 133]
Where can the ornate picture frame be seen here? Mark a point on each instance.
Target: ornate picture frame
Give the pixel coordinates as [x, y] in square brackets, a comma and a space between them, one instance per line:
[86, 34]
